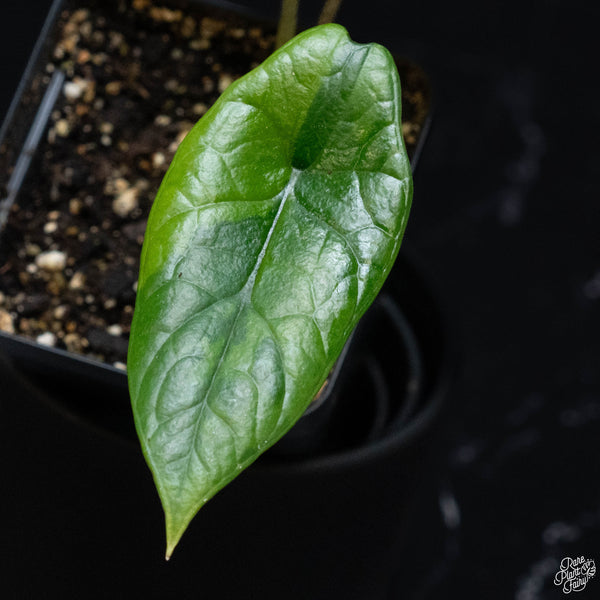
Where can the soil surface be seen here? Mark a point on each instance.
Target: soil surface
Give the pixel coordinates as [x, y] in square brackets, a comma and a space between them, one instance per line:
[138, 76]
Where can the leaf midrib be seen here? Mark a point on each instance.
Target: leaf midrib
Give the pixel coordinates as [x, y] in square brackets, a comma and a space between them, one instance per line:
[287, 192]
[245, 299]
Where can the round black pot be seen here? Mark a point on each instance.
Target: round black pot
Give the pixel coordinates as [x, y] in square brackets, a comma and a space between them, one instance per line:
[324, 513]
[336, 512]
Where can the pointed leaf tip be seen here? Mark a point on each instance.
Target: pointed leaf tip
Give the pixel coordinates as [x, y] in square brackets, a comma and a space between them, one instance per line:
[174, 534]
[171, 545]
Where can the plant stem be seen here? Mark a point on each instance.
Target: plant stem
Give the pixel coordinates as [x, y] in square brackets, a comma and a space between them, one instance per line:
[329, 11]
[288, 20]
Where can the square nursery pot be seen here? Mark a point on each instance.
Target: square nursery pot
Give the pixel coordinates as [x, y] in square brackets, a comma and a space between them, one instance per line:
[111, 89]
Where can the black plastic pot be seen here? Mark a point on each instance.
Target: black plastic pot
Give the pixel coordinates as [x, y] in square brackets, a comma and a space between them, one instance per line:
[101, 384]
[320, 514]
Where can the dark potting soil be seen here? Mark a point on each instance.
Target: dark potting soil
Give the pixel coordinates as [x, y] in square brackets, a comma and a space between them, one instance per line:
[138, 76]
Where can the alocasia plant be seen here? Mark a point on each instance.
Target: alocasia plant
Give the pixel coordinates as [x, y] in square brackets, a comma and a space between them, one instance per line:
[273, 230]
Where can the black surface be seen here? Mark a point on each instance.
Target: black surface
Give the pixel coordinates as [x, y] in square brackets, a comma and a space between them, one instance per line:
[506, 216]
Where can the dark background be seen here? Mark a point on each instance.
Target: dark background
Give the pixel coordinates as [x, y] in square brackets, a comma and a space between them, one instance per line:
[505, 218]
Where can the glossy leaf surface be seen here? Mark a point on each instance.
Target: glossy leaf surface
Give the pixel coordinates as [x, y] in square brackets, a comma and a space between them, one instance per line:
[271, 234]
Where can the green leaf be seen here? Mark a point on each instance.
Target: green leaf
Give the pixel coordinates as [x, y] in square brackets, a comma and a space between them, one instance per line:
[273, 230]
